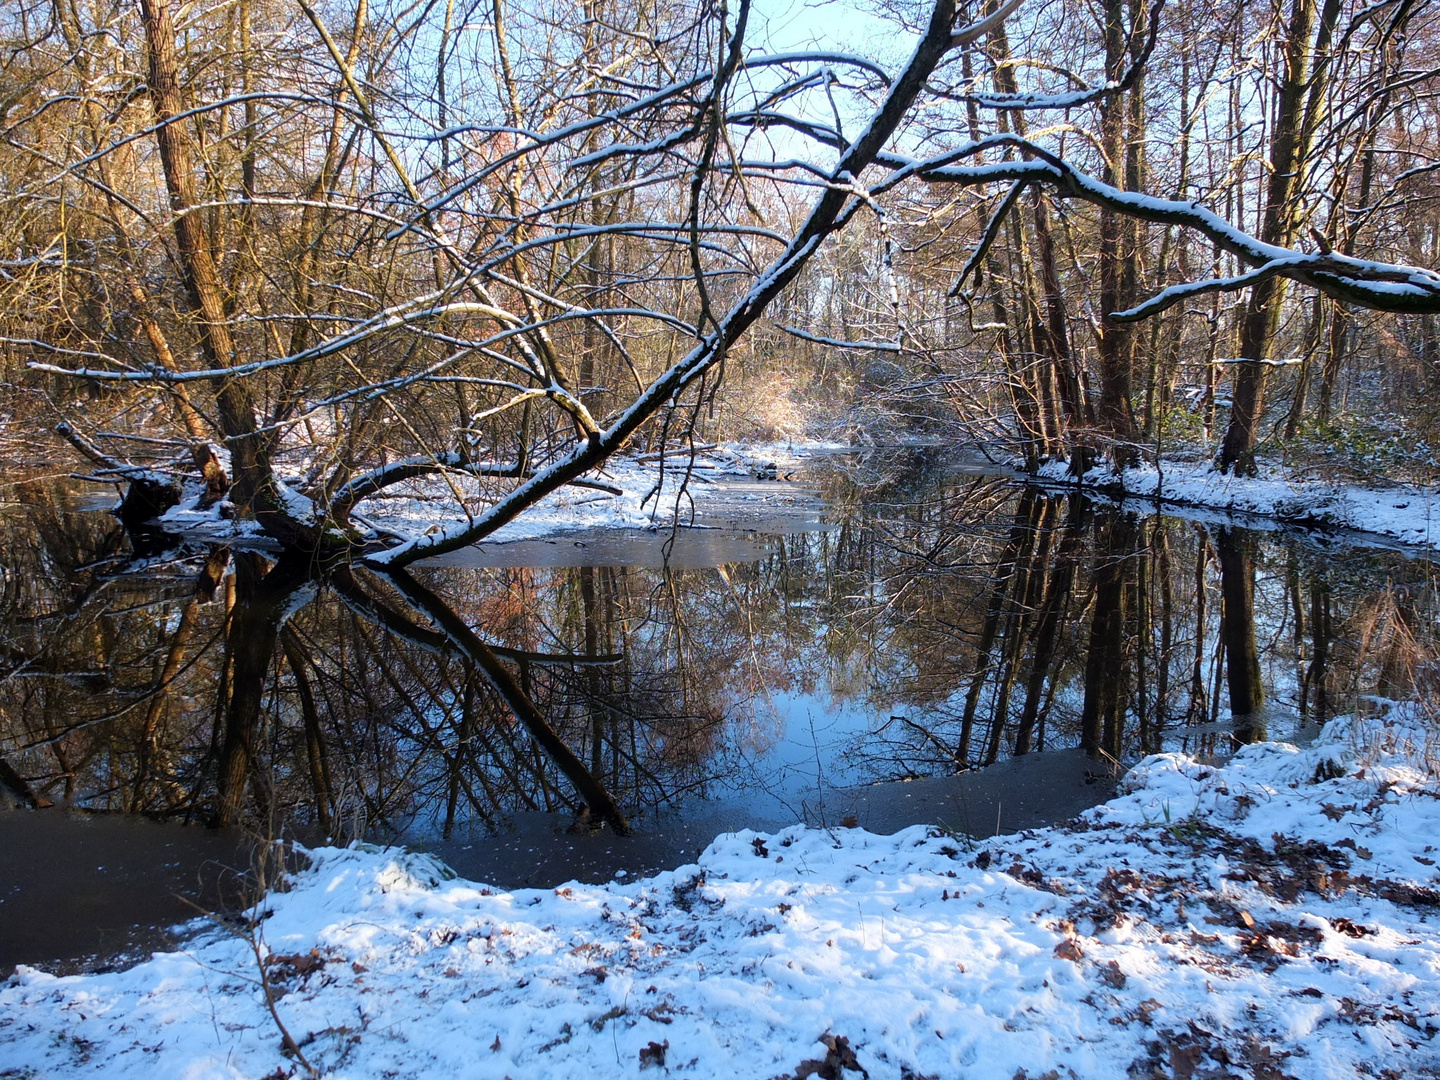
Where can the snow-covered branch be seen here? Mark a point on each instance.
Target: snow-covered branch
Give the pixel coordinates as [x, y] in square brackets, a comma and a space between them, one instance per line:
[366, 484]
[1072, 99]
[875, 346]
[832, 207]
[1377, 285]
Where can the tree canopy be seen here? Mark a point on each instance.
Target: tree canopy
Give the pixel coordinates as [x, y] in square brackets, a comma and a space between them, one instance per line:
[320, 250]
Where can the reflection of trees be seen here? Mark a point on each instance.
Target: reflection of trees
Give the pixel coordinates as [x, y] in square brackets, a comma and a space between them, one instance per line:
[1057, 589]
[517, 698]
[1111, 653]
[981, 619]
[1236, 549]
[160, 703]
[263, 595]
[378, 702]
[1082, 626]
[87, 666]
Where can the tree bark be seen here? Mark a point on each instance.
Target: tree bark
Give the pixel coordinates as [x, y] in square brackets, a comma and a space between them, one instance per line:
[1302, 94]
[253, 485]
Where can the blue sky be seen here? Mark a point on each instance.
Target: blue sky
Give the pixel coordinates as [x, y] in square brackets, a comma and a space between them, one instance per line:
[835, 24]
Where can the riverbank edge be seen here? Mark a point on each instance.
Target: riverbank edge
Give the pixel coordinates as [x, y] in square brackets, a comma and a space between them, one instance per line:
[1406, 514]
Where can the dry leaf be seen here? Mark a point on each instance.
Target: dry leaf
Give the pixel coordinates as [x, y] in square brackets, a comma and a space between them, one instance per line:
[654, 1054]
[838, 1058]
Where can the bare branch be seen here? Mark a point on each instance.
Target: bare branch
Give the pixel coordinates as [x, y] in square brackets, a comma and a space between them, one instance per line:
[876, 346]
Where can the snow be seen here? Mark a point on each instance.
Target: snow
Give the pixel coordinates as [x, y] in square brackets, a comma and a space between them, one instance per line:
[1272, 915]
[428, 505]
[1404, 513]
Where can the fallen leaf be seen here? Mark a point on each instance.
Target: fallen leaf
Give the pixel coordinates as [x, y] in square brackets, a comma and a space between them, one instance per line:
[1145, 1008]
[838, 1058]
[1184, 1059]
[1345, 926]
[301, 964]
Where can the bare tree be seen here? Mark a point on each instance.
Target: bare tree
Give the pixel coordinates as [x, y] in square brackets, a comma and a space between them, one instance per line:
[502, 276]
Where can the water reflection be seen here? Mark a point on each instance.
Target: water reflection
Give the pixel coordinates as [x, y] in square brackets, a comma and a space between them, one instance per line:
[946, 621]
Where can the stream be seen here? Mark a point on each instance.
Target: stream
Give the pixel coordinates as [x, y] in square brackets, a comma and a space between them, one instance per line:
[894, 637]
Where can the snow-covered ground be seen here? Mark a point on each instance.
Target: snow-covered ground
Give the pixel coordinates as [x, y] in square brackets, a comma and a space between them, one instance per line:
[641, 498]
[1274, 916]
[645, 494]
[1408, 514]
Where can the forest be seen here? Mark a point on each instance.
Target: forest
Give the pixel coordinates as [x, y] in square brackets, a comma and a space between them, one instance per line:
[893, 537]
[300, 255]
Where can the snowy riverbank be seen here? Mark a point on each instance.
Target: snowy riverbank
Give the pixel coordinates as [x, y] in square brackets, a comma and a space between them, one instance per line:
[1271, 917]
[1408, 514]
[731, 484]
[628, 492]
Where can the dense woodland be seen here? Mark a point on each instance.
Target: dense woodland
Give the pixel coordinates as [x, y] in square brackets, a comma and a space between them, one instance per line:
[350, 245]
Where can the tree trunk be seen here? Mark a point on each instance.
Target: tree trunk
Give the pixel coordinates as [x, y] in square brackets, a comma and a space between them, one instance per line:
[1242, 671]
[1302, 95]
[1117, 251]
[253, 486]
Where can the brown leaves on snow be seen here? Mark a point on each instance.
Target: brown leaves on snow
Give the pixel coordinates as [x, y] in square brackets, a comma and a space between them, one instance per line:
[838, 1057]
[1197, 1054]
[292, 965]
[654, 1054]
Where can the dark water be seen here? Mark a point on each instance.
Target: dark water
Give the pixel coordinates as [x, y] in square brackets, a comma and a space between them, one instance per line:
[98, 890]
[497, 708]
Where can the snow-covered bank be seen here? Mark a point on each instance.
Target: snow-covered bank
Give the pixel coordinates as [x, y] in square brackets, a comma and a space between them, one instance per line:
[628, 492]
[1408, 514]
[1271, 917]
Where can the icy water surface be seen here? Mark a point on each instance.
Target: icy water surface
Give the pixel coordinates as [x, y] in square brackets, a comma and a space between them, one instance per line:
[858, 665]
